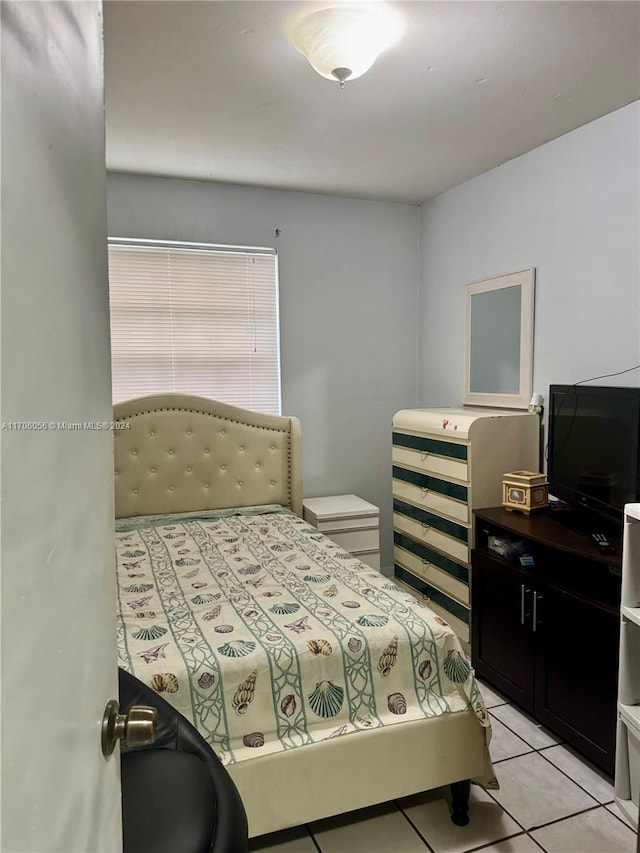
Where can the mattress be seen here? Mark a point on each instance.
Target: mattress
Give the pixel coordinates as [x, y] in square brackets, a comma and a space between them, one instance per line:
[268, 636]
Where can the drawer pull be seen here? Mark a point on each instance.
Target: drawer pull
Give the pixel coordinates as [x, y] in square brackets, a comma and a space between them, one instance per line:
[424, 491]
[426, 564]
[535, 610]
[425, 527]
[522, 604]
[424, 455]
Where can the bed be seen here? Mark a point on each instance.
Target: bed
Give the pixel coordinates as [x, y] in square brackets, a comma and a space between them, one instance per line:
[321, 685]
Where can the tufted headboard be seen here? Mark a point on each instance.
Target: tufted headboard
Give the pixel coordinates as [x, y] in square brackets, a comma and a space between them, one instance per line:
[180, 453]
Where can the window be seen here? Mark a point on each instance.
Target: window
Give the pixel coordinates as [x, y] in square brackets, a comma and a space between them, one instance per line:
[196, 319]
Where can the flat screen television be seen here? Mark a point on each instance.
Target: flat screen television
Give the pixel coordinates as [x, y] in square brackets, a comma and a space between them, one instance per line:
[594, 434]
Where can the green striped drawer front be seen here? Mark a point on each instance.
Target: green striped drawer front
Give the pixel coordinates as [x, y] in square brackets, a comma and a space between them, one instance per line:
[451, 606]
[423, 517]
[433, 484]
[430, 445]
[449, 566]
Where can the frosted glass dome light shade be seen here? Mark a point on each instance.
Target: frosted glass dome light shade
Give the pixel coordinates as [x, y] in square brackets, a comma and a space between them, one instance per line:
[341, 43]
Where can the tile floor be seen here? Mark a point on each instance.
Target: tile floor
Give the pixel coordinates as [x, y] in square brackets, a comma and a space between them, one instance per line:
[550, 799]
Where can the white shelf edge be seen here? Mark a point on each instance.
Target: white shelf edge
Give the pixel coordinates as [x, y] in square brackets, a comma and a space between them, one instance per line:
[629, 809]
[632, 511]
[631, 613]
[630, 715]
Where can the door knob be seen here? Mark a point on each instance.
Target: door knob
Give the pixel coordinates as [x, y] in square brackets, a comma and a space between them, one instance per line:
[137, 728]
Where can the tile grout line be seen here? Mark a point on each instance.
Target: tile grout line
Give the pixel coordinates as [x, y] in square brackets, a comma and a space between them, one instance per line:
[569, 777]
[556, 820]
[499, 841]
[486, 844]
[414, 827]
[566, 817]
[539, 751]
[532, 720]
[313, 838]
[506, 811]
[542, 749]
[622, 820]
[523, 830]
[509, 757]
[532, 749]
[515, 734]
[529, 830]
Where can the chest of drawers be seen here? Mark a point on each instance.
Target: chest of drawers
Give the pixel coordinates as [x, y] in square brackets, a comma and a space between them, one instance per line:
[447, 462]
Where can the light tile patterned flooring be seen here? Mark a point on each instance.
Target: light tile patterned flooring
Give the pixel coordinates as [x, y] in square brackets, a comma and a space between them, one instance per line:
[550, 799]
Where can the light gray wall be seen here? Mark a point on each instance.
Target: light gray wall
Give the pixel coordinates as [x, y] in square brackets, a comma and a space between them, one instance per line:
[569, 209]
[348, 289]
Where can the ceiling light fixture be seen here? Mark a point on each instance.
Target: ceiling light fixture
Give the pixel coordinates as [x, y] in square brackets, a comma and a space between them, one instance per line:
[342, 42]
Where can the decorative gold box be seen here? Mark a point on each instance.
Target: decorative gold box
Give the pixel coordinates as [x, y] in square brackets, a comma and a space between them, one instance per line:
[525, 491]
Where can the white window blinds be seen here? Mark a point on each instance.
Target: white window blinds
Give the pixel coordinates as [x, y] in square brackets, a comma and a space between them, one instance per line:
[197, 320]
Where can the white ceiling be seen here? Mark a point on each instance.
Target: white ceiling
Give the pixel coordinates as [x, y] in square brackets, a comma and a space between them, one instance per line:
[214, 90]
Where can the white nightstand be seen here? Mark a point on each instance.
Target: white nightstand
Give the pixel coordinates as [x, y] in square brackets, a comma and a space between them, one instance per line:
[350, 521]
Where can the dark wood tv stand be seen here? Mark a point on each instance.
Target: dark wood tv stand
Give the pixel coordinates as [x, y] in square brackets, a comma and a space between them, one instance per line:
[546, 635]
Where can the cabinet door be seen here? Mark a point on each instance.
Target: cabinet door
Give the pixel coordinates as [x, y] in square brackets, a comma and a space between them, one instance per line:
[577, 672]
[502, 639]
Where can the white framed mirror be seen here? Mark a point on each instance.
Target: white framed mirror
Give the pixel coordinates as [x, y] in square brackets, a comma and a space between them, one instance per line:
[498, 359]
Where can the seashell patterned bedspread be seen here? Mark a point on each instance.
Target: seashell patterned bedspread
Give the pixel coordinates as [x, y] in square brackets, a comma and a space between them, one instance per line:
[268, 636]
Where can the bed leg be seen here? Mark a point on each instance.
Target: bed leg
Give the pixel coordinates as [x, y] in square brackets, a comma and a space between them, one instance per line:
[460, 802]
